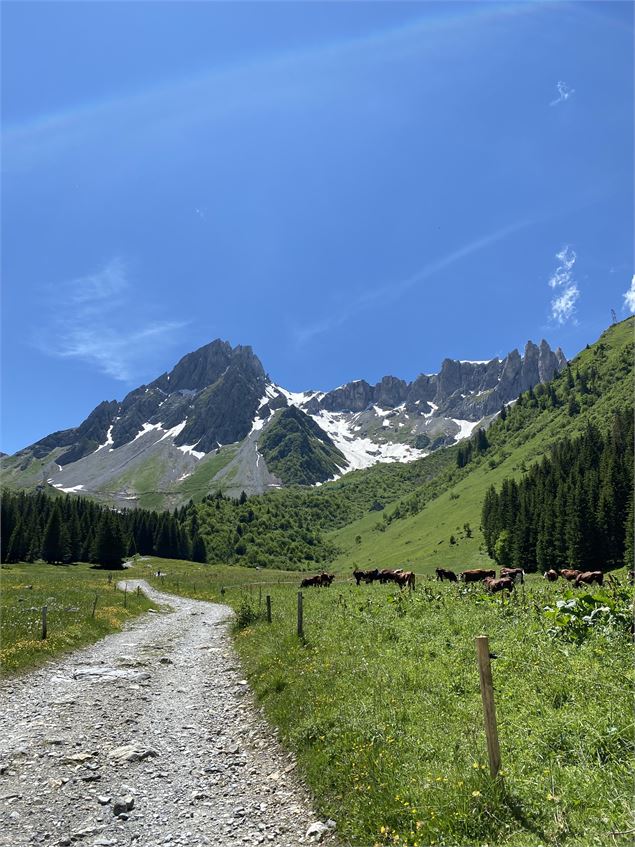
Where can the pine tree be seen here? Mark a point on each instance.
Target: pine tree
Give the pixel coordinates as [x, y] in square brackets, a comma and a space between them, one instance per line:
[51, 540]
[108, 549]
[16, 548]
[629, 529]
[199, 553]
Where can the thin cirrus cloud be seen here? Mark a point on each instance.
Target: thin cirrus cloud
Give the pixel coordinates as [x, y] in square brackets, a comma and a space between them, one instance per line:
[565, 286]
[393, 291]
[93, 325]
[564, 93]
[629, 297]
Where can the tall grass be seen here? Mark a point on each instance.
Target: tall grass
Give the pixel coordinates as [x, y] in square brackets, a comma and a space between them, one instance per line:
[70, 593]
[381, 702]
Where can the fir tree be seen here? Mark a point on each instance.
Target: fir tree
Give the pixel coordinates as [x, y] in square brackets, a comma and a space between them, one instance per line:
[51, 539]
[108, 549]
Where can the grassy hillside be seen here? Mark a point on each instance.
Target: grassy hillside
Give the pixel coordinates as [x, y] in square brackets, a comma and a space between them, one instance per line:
[297, 451]
[418, 530]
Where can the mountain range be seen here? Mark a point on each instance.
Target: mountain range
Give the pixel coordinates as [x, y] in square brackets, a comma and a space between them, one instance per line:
[217, 421]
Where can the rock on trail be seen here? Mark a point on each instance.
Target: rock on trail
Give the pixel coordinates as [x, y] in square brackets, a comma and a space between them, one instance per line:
[148, 737]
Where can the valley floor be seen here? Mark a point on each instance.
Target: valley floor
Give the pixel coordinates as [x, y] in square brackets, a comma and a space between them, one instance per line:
[158, 713]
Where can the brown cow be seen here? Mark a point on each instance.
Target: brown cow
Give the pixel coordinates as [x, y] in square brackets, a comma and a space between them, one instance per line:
[322, 580]
[476, 575]
[442, 574]
[569, 573]
[310, 581]
[367, 576]
[551, 575]
[493, 585]
[405, 578]
[589, 577]
[387, 575]
[513, 573]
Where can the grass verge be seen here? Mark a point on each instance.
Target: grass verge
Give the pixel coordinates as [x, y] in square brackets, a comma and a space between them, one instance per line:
[69, 592]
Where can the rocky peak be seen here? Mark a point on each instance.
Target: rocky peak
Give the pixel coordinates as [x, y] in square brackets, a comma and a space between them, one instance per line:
[205, 366]
[390, 392]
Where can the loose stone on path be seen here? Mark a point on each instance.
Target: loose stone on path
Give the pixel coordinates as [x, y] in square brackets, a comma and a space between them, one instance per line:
[148, 737]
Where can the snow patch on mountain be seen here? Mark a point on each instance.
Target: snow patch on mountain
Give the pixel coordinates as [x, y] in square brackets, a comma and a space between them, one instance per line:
[298, 398]
[147, 427]
[189, 448]
[70, 490]
[172, 433]
[465, 428]
[362, 452]
[108, 440]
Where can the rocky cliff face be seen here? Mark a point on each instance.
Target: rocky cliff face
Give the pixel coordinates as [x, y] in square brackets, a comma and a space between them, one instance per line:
[213, 393]
[466, 390]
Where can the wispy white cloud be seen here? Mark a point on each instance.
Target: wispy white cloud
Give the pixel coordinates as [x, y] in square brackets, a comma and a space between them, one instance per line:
[95, 322]
[563, 282]
[563, 307]
[394, 290]
[564, 93]
[629, 297]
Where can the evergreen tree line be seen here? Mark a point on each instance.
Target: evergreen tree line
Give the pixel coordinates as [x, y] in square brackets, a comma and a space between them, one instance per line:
[572, 509]
[67, 529]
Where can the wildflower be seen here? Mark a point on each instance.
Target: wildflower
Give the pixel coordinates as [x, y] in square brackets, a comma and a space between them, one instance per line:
[475, 765]
[476, 793]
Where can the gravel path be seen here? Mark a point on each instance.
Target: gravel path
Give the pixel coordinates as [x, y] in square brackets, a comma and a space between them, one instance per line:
[157, 718]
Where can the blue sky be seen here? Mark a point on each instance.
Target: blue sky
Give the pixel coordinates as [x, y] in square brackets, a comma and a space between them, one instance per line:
[354, 189]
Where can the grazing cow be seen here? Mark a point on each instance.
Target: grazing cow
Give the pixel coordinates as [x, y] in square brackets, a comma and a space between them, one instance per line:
[310, 581]
[387, 575]
[322, 580]
[551, 575]
[442, 574]
[569, 573]
[405, 578]
[476, 575]
[589, 577]
[517, 574]
[367, 576]
[493, 585]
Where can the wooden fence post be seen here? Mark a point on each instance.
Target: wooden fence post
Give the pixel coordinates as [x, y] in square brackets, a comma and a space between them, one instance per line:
[489, 709]
[94, 605]
[44, 623]
[300, 620]
[268, 599]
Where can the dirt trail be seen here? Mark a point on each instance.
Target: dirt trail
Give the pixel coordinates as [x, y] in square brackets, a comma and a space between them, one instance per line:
[158, 714]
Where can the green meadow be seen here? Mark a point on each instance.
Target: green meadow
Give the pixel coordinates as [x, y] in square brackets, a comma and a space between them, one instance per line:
[70, 593]
[381, 703]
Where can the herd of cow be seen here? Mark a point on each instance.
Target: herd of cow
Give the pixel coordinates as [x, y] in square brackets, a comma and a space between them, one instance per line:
[404, 579]
[506, 581]
[578, 577]
[508, 576]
